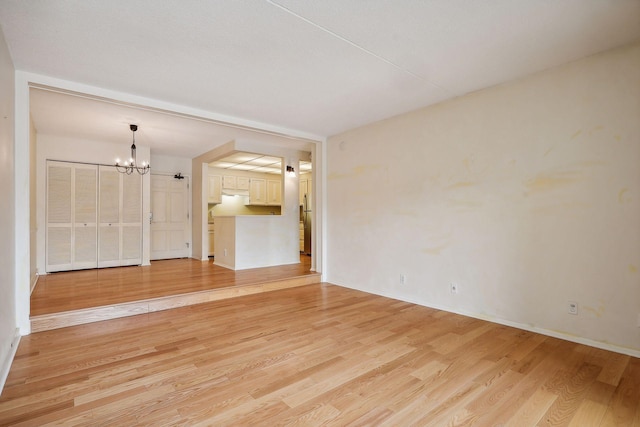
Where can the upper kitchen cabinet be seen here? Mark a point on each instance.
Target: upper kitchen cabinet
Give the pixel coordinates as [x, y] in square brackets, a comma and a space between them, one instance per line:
[265, 192]
[274, 192]
[215, 189]
[256, 177]
[229, 182]
[257, 191]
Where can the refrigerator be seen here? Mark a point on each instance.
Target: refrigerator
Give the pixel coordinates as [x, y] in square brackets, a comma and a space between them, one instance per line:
[306, 220]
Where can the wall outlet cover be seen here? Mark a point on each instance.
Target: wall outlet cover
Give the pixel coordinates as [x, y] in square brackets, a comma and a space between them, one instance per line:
[572, 307]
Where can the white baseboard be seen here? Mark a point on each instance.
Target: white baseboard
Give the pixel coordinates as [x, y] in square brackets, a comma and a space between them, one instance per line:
[8, 360]
[34, 281]
[555, 334]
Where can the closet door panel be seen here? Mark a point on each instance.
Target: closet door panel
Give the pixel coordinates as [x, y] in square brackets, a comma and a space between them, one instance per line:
[109, 246]
[131, 244]
[85, 247]
[59, 194]
[132, 199]
[131, 251]
[58, 247]
[109, 195]
[109, 217]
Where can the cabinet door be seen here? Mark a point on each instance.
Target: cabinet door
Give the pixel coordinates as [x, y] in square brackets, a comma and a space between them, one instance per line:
[229, 182]
[257, 191]
[215, 189]
[242, 183]
[274, 192]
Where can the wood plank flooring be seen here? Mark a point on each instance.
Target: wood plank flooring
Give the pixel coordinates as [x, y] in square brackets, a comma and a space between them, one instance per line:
[79, 297]
[76, 290]
[314, 355]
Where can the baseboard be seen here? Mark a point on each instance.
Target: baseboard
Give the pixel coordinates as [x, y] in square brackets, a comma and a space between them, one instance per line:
[221, 264]
[550, 333]
[34, 281]
[8, 360]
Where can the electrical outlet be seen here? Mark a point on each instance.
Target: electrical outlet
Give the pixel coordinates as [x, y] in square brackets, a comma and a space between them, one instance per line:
[573, 307]
[454, 288]
[403, 279]
[225, 252]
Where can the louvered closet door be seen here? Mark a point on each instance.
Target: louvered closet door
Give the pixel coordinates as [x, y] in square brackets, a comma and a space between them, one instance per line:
[85, 230]
[109, 217]
[120, 218]
[131, 220]
[59, 217]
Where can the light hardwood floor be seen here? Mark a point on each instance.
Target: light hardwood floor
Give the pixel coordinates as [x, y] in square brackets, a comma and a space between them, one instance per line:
[75, 290]
[314, 355]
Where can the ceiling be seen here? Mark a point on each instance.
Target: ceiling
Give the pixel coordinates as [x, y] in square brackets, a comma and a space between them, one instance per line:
[257, 163]
[314, 67]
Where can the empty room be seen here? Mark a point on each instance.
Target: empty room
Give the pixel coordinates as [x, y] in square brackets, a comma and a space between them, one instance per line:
[277, 212]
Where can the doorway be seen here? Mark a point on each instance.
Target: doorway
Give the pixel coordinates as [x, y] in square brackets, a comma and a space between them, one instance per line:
[170, 219]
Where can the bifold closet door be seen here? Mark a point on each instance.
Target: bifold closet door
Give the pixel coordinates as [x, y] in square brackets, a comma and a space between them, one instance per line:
[85, 223]
[120, 218]
[71, 234]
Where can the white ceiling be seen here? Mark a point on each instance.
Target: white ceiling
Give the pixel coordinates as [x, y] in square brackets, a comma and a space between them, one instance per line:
[319, 67]
[257, 163]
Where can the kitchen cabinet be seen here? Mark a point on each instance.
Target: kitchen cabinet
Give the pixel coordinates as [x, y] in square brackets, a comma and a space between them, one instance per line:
[242, 183]
[211, 230]
[215, 189]
[265, 192]
[229, 182]
[257, 191]
[274, 192]
[301, 236]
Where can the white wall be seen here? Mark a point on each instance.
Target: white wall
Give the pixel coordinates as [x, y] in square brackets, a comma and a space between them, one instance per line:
[33, 206]
[168, 165]
[526, 195]
[52, 147]
[8, 321]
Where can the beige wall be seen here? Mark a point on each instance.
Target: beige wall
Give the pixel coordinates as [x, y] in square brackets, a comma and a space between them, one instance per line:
[235, 205]
[8, 320]
[526, 195]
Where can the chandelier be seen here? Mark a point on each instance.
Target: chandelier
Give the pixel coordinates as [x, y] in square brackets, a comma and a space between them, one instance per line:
[129, 166]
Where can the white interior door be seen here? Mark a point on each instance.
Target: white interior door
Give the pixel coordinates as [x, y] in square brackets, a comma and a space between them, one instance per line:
[170, 230]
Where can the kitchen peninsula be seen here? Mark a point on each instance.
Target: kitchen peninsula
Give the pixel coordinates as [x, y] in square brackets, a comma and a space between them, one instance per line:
[245, 221]
[252, 241]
